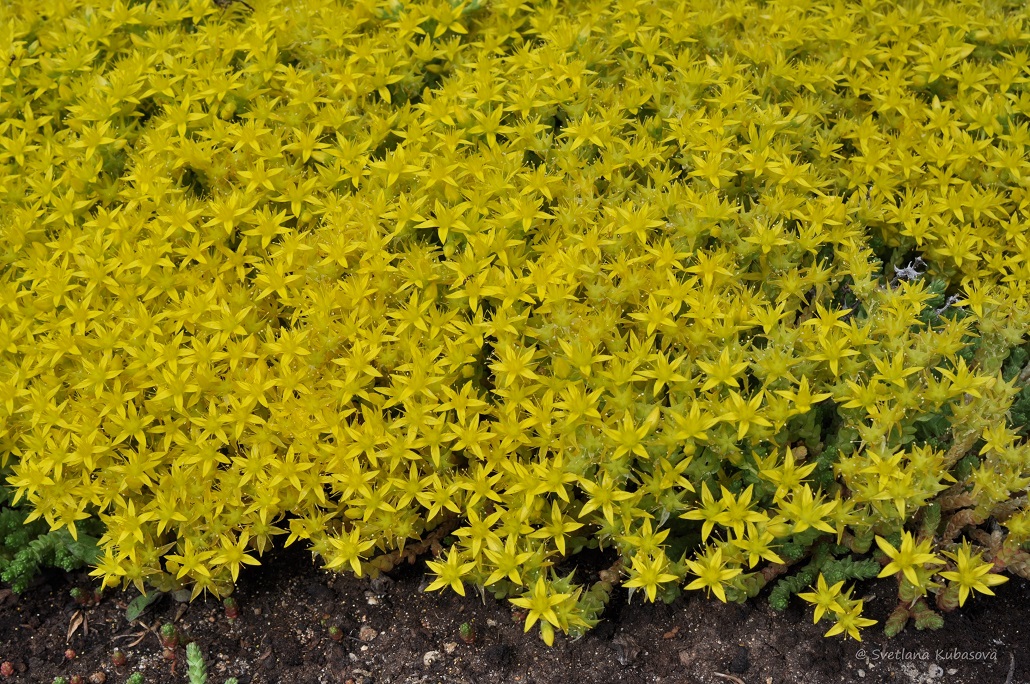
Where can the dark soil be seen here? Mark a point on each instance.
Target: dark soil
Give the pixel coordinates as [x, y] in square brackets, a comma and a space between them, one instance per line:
[393, 632]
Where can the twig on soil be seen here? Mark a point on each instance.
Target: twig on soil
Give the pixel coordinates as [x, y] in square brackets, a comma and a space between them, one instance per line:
[140, 636]
[412, 551]
[735, 680]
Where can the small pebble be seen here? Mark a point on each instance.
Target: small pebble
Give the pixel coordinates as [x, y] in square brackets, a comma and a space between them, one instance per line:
[367, 633]
[490, 622]
[861, 673]
[430, 657]
[626, 648]
[257, 611]
[210, 618]
[449, 647]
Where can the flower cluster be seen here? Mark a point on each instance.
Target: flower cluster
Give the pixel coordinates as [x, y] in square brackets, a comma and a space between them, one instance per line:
[715, 285]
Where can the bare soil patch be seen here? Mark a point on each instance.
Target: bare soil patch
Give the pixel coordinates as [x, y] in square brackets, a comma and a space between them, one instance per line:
[394, 633]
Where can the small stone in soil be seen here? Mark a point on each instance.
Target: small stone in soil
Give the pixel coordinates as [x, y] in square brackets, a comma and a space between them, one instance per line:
[626, 648]
[430, 657]
[686, 657]
[449, 647]
[367, 633]
[380, 585]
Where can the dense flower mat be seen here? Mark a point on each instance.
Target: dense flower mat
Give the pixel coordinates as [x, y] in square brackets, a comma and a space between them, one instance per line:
[737, 289]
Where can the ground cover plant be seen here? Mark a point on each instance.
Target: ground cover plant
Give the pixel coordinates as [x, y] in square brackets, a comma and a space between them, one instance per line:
[737, 289]
[27, 548]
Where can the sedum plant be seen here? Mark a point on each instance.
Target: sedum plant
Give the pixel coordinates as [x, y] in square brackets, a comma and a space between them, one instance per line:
[28, 547]
[736, 295]
[196, 669]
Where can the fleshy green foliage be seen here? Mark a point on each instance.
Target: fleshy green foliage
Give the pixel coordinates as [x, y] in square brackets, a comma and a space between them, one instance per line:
[718, 286]
[25, 549]
[196, 669]
[135, 678]
[896, 621]
[1015, 368]
[590, 605]
[848, 569]
[925, 617]
[779, 597]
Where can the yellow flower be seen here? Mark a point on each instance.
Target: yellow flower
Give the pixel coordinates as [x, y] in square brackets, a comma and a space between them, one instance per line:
[507, 560]
[603, 495]
[849, 621]
[825, 598]
[745, 412]
[449, 573]
[803, 398]
[648, 572]
[737, 510]
[805, 510]
[971, 573]
[757, 545]
[347, 548]
[234, 553]
[540, 603]
[722, 372]
[557, 528]
[907, 558]
[710, 512]
[711, 572]
[629, 438]
[189, 561]
[110, 569]
[786, 476]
